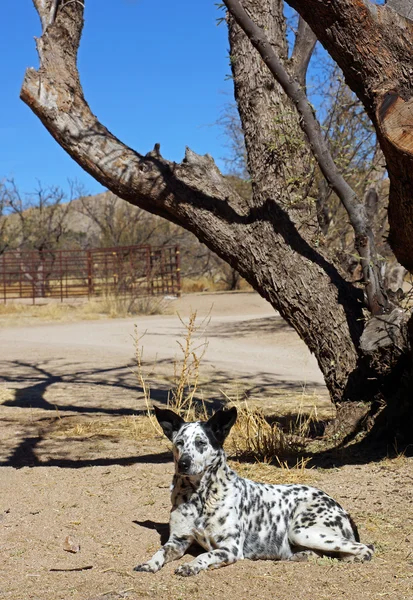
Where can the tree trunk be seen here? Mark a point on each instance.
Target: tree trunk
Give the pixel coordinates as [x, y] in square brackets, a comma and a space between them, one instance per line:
[268, 239]
[301, 284]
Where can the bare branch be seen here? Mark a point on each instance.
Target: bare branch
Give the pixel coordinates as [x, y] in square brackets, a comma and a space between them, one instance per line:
[355, 209]
[305, 41]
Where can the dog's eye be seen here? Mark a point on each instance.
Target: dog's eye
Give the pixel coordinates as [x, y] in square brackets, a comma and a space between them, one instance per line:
[179, 444]
[200, 443]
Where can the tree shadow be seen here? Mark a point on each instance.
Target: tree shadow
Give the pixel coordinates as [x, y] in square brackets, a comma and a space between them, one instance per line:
[248, 327]
[37, 379]
[363, 452]
[40, 379]
[24, 455]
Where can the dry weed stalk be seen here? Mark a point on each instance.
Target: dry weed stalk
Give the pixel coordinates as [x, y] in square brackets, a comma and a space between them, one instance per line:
[301, 427]
[181, 397]
[186, 371]
[143, 379]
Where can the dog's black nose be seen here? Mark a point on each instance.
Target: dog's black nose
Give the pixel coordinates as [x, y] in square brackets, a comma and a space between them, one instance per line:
[184, 463]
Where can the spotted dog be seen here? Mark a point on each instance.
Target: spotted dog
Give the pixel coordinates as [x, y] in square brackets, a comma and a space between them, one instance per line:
[235, 518]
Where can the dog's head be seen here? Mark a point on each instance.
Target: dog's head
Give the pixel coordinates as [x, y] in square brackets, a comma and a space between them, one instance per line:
[196, 446]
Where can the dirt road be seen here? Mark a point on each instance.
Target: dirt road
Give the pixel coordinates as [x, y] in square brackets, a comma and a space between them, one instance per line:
[87, 366]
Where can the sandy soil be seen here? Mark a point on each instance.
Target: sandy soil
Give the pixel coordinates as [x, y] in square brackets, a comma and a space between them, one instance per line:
[111, 493]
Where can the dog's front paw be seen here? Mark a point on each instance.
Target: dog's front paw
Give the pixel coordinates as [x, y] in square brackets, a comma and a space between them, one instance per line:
[145, 568]
[187, 570]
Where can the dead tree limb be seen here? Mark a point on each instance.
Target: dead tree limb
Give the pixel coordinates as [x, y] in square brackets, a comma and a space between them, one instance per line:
[305, 41]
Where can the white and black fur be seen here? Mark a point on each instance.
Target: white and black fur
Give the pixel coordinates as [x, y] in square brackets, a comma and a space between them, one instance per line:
[235, 518]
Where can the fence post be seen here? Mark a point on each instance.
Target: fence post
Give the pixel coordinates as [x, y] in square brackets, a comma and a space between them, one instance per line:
[178, 270]
[61, 275]
[4, 279]
[148, 270]
[33, 277]
[89, 274]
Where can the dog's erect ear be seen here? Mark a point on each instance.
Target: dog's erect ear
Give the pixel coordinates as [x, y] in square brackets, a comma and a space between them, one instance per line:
[221, 422]
[169, 421]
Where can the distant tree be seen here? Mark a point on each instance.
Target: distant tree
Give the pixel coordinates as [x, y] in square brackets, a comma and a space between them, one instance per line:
[231, 126]
[115, 222]
[5, 234]
[359, 334]
[37, 222]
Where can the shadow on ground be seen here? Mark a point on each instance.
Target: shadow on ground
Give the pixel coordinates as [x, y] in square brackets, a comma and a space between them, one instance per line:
[45, 396]
[248, 328]
[33, 381]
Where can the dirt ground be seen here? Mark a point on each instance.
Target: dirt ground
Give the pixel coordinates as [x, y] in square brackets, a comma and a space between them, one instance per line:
[111, 493]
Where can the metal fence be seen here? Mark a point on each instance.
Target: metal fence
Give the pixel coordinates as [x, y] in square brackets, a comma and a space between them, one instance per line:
[132, 270]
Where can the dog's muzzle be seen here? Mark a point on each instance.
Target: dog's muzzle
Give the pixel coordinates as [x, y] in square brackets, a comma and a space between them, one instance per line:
[184, 464]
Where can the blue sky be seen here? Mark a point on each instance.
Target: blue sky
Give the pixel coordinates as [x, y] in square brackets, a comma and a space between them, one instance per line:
[152, 71]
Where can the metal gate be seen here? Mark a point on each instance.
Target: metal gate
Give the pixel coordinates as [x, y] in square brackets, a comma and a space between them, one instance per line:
[133, 270]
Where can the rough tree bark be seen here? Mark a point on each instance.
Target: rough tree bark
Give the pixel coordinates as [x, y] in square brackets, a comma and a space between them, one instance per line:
[268, 239]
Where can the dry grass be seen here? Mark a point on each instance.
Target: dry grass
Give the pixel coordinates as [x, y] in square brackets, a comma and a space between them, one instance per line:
[123, 305]
[254, 438]
[257, 437]
[198, 284]
[209, 284]
[395, 463]
[49, 311]
[110, 305]
[137, 428]
[267, 473]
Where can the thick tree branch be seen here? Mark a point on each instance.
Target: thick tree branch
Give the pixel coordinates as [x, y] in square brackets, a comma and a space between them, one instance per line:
[364, 39]
[305, 41]
[355, 209]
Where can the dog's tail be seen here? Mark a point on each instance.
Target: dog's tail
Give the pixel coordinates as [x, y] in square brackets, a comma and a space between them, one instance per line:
[354, 528]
